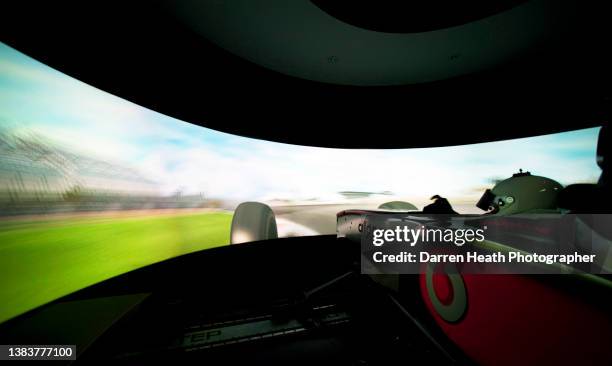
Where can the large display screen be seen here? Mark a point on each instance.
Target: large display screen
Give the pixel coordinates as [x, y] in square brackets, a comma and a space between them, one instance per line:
[93, 186]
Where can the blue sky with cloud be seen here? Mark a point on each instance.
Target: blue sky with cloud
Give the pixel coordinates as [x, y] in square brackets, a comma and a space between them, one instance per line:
[178, 155]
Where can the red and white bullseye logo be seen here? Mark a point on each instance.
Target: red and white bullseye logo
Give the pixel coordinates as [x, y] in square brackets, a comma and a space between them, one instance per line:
[446, 290]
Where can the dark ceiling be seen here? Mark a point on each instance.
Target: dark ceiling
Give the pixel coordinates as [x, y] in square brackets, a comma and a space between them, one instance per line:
[138, 51]
[412, 16]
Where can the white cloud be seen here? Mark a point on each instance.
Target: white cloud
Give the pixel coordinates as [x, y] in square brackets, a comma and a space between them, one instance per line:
[259, 169]
[185, 157]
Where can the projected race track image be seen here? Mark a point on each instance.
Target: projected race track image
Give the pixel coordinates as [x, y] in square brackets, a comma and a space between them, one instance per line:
[93, 186]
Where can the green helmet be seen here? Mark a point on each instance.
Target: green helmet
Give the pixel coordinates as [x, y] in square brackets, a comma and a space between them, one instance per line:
[521, 193]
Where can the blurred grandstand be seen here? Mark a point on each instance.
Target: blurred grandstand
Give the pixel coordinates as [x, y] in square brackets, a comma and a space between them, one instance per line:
[37, 177]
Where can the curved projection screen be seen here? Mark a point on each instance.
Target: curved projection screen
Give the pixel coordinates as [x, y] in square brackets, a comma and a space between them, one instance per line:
[92, 186]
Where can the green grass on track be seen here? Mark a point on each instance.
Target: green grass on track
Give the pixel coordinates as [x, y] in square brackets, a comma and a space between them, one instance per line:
[43, 260]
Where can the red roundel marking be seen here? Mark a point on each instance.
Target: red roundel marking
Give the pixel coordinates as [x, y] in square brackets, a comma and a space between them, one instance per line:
[550, 324]
[443, 288]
